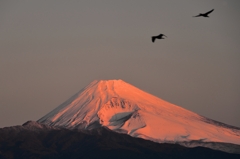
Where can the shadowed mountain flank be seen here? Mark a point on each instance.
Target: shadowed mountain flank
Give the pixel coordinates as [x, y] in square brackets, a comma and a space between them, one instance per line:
[35, 140]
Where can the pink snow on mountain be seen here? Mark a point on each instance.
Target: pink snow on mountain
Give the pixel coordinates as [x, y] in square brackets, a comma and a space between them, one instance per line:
[124, 108]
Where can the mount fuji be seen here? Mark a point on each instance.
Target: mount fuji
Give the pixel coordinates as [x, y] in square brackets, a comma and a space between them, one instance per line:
[123, 108]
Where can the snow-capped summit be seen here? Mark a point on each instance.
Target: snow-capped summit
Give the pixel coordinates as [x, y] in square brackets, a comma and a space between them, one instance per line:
[124, 108]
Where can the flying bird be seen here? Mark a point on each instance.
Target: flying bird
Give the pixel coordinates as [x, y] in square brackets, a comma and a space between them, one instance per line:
[160, 36]
[204, 14]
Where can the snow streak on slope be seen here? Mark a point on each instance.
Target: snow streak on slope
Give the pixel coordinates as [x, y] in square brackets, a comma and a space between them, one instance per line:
[124, 108]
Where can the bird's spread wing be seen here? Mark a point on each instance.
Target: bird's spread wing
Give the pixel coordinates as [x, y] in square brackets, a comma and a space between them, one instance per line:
[210, 11]
[153, 39]
[197, 15]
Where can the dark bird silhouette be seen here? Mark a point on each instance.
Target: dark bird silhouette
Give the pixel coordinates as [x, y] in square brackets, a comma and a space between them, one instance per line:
[160, 36]
[204, 14]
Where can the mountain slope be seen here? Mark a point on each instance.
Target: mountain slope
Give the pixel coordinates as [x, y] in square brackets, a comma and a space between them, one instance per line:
[34, 140]
[124, 108]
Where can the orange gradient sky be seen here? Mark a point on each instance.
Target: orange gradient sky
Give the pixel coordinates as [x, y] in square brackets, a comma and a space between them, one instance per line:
[49, 50]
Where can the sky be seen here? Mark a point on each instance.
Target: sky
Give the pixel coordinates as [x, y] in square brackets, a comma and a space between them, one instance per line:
[49, 50]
